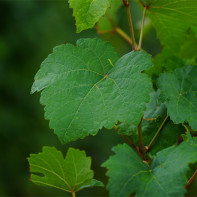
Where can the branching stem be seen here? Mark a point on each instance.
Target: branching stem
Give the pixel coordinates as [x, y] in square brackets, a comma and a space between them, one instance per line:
[191, 179]
[157, 133]
[126, 4]
[142, 29]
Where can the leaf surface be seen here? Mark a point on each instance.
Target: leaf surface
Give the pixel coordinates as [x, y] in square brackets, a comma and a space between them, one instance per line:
[129, 174]
[83, 92]
[180, 91]
[172, 18]
[88, 12]
[49, 168]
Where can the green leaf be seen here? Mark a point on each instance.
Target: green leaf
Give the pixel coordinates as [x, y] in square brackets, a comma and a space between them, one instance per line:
[83, 92]
[88, 12]
[180, 91]
[146, 2]
[172, 18]
[170, 132]
[165, 177]
[169, 60]
[189, 47]
[168, 135]
[49, 168]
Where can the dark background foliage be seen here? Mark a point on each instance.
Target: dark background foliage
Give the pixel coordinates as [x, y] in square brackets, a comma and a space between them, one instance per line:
[29, 29]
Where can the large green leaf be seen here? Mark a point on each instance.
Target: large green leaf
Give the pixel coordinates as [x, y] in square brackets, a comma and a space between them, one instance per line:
[49, 168]
[180, 91]
[172, 18]
[88, 12]
[164, 178]
[84, 93]
[169, 133]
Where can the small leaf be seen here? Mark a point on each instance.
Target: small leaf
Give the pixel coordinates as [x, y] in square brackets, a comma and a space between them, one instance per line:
[165, 177]
[180, 91]
[83, 92]
[70, 174]
[88, 12]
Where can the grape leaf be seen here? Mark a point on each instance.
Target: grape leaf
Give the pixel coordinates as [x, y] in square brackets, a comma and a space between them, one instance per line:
[169, 134]
[146, 2]
[172, 18]
[180, 91]
[49, 168]
[88, 12]
[169, 60]
[84, 93]
[129, 174]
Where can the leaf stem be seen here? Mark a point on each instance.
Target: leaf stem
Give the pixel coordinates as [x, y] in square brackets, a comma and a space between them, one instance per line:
[142, 28]
[140, 138]
[149, 119]
[123, 35]
[117, 30]
[73, 194]
[127, 6]
[157, 133]
[191, 179]
[129, 142]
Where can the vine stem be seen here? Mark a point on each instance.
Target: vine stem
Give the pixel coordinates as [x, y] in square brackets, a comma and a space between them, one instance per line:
[73, 194]
[123, 35]
[191, 179]
[117, 30]
[157, 133]
[127, 6]
[129, 142]
[140, 138]
[142, 28]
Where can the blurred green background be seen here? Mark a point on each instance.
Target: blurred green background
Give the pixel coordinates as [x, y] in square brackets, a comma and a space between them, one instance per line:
[29, 29]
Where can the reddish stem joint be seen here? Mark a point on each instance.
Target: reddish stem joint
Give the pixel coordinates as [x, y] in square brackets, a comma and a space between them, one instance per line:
[145, 6]
[126, 3]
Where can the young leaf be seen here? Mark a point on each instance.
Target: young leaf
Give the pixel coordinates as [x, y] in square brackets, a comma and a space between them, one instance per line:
[83, 92]
[88, 12]
[49, 168]
[180, 91]
[172, 18]
[165, 177]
